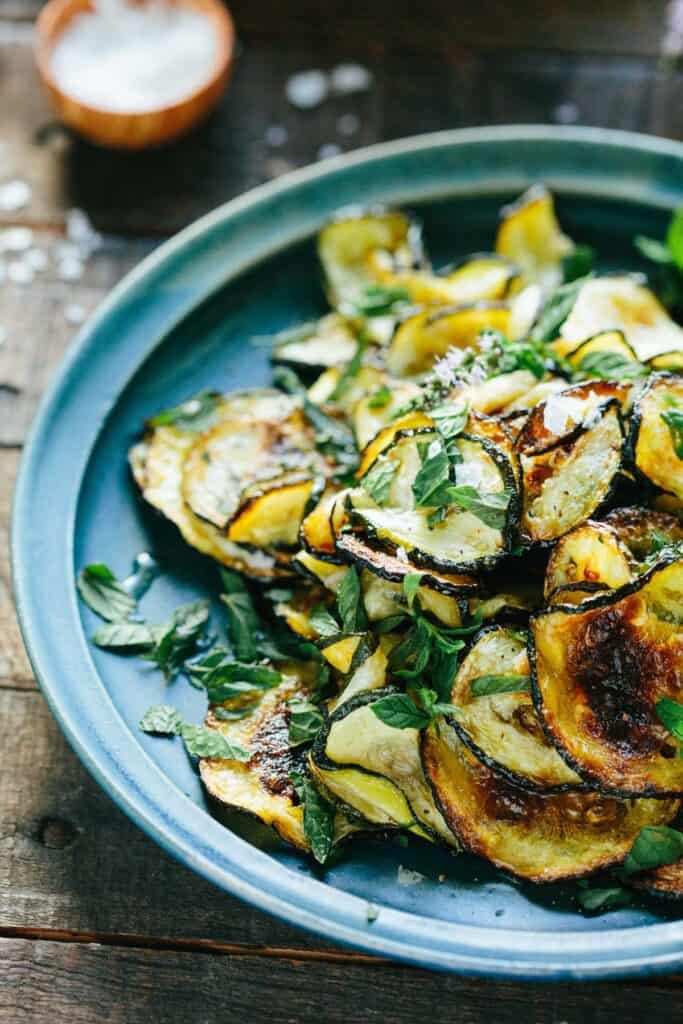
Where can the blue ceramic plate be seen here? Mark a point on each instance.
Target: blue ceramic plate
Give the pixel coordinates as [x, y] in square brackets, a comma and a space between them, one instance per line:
[183, 321]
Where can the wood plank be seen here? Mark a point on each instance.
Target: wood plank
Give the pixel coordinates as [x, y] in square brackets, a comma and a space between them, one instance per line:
[71, 860]
[158, 192]
[613, 26]
[15, 671]
[87, 983]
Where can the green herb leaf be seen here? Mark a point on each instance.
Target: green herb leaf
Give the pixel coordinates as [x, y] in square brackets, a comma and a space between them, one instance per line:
[451, 418]
[323, 622]
[178, 639]
[350, 372]
[655, 846]
[483, 686]
[443, 666]
[491, 508]
[233, 714]
[305, 722]
[318, 816]
[610, 366]
[556, 310]
[162, 719]
[651, 249]
[411, 585]
[578, 263]
[103, 593]
[674, 238]
[243, 622]
[378, 300]
[224, 678]
[674, 420]
[670, 713]
[379, 478]
[400, 712]
[125, 636]
[332, 437]
[595, 900]
[202, 742]
[350, 602]
[197, 414]
[380, 398]
[432, 475]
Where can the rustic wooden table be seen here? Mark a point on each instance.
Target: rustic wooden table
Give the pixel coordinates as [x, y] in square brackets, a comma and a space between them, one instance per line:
[96, 922]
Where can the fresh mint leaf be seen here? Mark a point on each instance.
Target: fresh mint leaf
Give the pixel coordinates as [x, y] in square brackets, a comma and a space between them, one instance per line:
[484, 686]
[125, 636]
[318, 816]
[380, 399]
[610, 366]
[305, 722]
[578, 263]
[596, 899]
[451, 418]
[197, 414]
[674, 238]
[323, 622]
[379, 478]
[350, 602]
[202, 742]
[378, 300]
[162, 719]
[556, 310]
[655, 846]
[400, 712]
[432, 475]
[350, 372]
[243, 622]
[670, 714]
[224, 678]
[103, 594]
[443, 666]
[233, 714]
[673, 418]
[491, 508]
[177, 640]
[411, 585]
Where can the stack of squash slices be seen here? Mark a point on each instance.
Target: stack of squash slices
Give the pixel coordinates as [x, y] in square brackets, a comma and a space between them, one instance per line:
[495, 452]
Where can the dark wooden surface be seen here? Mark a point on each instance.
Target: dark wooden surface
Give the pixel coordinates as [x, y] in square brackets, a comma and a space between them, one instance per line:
[96, 922]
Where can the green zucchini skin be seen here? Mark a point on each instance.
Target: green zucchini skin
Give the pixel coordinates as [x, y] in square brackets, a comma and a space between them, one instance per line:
[602, 600]
[631, 443]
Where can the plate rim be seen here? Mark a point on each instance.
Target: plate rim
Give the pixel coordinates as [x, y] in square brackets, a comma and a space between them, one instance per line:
[470, 950]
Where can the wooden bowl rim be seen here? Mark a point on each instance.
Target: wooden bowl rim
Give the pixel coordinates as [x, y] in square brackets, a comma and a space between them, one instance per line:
[216, 12]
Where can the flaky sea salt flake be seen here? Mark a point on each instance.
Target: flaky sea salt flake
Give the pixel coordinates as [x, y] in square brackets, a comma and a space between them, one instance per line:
[307, 89]
[346, 79]
[14, 195]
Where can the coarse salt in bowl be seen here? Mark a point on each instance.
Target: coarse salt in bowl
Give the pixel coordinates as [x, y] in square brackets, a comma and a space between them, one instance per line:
[134, 75]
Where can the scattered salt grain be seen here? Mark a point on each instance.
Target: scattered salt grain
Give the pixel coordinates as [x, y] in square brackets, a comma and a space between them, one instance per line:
[566, 113]
[81, 234]
[16, 239]
[135, 58]
[276, 135]
[14, 195]
[307, 89]
[74, 313]
[36, 259]
[348, 124]
[346, 79]
[70, 269]
[406, 876]
[19, 272]
[560, 411]
[328, 150]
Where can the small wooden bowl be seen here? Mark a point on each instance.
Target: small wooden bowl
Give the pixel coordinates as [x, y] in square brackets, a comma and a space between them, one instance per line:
[134, 130]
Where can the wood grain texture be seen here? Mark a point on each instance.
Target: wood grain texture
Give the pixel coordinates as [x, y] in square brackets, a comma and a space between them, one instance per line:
[158, 192]
[84, 983]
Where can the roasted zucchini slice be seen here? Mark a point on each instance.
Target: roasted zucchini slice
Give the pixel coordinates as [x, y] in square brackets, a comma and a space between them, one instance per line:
[502, 728]
[255, 445]
[558, 417]
[588, 558]
[462, 541]
[421, 339]
[394, 569]
[262, 786]
[388, 434]
[644, 531]
[316, 533]
[541, 837]
[376, 410]
[157, 463]
[672, 362]
[622, 303]
[530, 236]
[271, 513]
[383, 599]
[567, 483]
[482, 276]
[656, 441]
[328, 574]
[345, 654]
[371, 674]
[315, 347]
[665, 881]
[359, 246]
[599, 671]
[377, 769]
